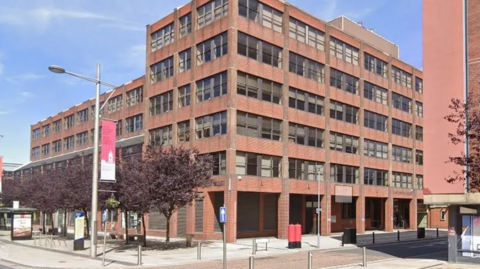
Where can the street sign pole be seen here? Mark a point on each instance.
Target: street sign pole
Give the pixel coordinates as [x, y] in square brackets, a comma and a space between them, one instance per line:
[223, 219]
[104, 220]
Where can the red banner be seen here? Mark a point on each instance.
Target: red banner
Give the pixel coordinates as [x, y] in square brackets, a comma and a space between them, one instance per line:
[107, 168]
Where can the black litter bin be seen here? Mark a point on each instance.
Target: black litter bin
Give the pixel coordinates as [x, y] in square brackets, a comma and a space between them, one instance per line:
[420, 233]
[350, 236]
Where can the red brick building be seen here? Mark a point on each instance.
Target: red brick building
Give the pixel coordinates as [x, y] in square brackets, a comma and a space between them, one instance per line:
[281, 99]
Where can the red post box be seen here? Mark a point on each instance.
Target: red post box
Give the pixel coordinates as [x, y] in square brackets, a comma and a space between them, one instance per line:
[298, 235]
[291, 236]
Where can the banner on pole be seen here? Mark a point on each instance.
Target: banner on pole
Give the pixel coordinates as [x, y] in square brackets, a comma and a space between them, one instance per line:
[107, 168]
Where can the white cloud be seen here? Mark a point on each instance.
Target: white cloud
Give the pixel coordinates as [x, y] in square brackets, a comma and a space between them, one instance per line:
[26, 94]
[23, 77]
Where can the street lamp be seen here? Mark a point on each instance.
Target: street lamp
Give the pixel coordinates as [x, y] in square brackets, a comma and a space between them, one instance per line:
[60, 70]
[318, 208]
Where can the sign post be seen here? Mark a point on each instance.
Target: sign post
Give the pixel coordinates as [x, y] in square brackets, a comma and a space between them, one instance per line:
[223, 219]
[78, 243]
[104, 221]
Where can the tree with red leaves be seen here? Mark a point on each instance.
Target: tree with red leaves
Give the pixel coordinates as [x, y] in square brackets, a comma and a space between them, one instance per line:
[465, 117]
[174, 176]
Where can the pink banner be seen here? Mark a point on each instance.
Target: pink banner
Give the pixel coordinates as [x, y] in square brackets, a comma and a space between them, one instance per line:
[107, 157]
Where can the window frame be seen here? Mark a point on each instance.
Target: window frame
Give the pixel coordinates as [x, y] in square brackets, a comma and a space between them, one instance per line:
[255, 87]
[207, 87]
[161, 136]
[208, 126]
[161, 103]
[375, 93]
[343, 113]
[258, 126]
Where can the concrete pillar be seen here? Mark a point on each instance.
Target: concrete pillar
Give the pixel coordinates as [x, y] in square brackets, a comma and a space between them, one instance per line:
[360, 212]
[283, 212]
[413, 214]
[325, 222]
[389, 213]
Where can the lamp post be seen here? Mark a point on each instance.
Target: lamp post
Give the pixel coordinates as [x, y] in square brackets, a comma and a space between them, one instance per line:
[93, 219]
[318, 208]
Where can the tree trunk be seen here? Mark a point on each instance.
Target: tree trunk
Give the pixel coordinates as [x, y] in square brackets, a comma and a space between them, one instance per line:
[65, 224]
[43, 223]
[126, 226]
[88, 223]
[51, 222]
[144, 231]
[167, 240]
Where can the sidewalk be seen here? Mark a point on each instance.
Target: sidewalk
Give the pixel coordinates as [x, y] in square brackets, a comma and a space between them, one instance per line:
[411, 264]
[61, 256]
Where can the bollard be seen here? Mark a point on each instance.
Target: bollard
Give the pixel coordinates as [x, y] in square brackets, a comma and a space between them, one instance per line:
[398, 235]
[251, 263]
[364, 257]
[199, 250]
[254, 247]
[342, 240]
[437, 232]
[51, 240]
[310, 259]
[139, 257]
[373, 237]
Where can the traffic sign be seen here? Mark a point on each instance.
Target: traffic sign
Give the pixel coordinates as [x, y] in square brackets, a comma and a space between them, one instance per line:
[104, 215]
[223, 215]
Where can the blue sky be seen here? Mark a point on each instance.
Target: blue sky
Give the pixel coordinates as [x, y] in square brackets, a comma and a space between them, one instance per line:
[79, 33]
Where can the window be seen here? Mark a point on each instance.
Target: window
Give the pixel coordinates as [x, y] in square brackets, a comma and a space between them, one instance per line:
[375, 65]
[306, 68]
[211, 125]
[306, 34]
[375, 177]
[375, 149]
[184, 61]
[212, 87]
[305, 135]
[443, 214]
[219, 163]
[132, 150]
[118, 128]
[161, 136]
[134, 124]
[35, 152]
[36, 134]
[69, 142]
[82, 138]
[163, 37]
[401, 77]
[114, 104]
[92, 132]
[401, 154]
[100, 112]
[419, 133]
[401, 180]
[162, 70]
[69, 121]
[344, 173]
[375, 93]
[258, 165]
[212, 48]
[259, 88]
[211, 12]
[185, 25]
[349, 210]
[343, 51]
[57, 126]
[261, 13]
[259, 50]
[161, 103]
[343, 112]
[305, 101]
[258, 126]
[401, 128]
[419, 109]
[401, 102]
[134, 96]
[46, 130]
[57, 146]
[419, 157]
[183, 131]
[375, 121]
[184, 96]
[419, 84]
[343, 81]
[305, 170]
[82, 116]
[46, 150]
[343, 143]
